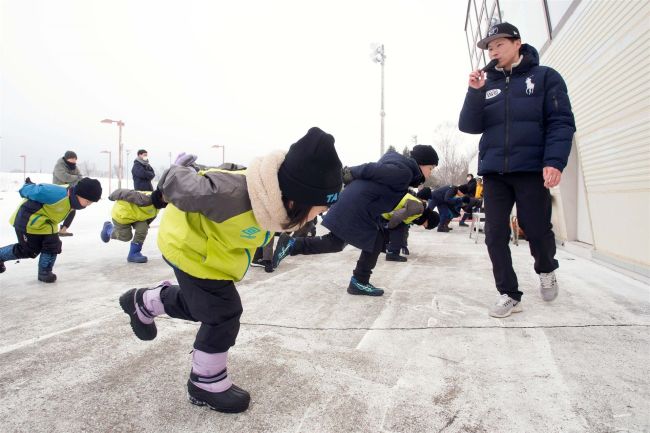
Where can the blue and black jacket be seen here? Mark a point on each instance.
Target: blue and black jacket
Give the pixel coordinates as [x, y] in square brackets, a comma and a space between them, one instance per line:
[524, 115]
[43, 208]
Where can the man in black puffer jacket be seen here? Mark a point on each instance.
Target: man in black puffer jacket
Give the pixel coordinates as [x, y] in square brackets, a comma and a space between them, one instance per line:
[142, 172]
[523, 111]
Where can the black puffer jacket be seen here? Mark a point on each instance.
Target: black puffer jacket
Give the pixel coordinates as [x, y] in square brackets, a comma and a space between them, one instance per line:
[376, 189]
[142, 175]
[525, 118]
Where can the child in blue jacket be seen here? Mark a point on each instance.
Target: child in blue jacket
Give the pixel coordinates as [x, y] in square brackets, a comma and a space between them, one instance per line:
[36, 221]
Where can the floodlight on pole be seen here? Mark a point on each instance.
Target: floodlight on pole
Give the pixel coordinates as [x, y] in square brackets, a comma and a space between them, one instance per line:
[378, 55]
[223, 152]
[120, 124]
[109, 168]
[24, 157]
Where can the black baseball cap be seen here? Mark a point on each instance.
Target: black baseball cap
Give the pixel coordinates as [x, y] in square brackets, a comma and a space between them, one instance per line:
[501, 30]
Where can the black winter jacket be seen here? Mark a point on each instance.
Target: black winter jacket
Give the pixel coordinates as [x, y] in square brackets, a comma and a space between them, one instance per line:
[142, 175]
[376, 189]
[525, 118]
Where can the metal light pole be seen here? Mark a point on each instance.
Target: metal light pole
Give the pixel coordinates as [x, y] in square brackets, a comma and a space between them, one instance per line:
[223, 152]
[126, 169]
[109, 168]
[120, 124]
[379, 56]
[24, 157]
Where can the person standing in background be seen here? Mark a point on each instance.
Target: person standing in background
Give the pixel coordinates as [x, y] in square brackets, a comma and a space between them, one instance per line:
[66, 172]
[142, 172]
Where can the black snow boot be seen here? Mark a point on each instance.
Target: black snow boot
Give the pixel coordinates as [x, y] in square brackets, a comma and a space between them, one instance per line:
[395, 257]
[144, 331]
[232, 400]
[45, 265]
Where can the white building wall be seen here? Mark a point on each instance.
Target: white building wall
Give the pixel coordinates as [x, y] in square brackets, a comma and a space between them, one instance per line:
[603, 53]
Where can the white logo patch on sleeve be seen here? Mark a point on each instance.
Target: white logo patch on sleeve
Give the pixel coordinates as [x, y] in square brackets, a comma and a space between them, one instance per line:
[492, 93]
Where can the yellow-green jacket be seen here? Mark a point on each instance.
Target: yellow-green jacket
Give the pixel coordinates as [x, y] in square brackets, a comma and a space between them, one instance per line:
[43, 208]
[407, 210]
[208, 229]
[132, 206]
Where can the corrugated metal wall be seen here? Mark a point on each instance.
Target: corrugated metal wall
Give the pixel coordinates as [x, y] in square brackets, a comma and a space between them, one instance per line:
[603, 53]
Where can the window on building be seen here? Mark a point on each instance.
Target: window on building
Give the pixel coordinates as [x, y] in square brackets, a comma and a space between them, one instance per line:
[529, 17]
[556, 10]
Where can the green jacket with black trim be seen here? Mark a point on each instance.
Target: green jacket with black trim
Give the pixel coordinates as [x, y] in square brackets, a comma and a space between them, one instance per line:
[216, 219]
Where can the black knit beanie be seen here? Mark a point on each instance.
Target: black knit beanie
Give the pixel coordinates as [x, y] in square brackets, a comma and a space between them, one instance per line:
[69, 154]
[424, 193]
[424, 154]
[157, 199]
[431, 216]
[311, 171]
[88, 188]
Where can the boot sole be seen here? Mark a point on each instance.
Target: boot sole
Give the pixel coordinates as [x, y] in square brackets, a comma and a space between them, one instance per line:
[513, 311]
[225, 409]
[195, 401]
[549, 300]
[362, 293]
[128, 304]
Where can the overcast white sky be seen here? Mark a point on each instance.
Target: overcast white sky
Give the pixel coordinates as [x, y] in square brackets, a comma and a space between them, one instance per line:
[250, 75]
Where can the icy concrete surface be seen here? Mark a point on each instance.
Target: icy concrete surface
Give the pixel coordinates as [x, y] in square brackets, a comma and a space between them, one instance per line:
[423, 358]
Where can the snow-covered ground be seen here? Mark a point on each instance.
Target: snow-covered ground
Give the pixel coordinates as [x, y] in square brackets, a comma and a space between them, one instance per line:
[425, 357]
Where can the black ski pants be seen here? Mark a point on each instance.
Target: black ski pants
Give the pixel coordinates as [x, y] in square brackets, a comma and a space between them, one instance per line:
[330, 243]
[30, 245]
[214, 303]
[397, 238]
[533, 200]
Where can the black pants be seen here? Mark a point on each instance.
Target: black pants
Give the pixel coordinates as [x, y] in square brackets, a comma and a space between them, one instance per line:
[330, 243]
[397, 238]
[533, 201]
[445, 214]
[68, 219]
[29, 246]
[214, 303]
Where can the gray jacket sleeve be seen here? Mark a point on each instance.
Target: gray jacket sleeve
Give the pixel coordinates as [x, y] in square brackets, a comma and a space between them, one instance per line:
[135, 197]
[412, 208]
[192, 192]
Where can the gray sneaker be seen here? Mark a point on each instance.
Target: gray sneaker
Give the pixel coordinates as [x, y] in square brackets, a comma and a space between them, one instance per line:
[548, 287]
[504, 307]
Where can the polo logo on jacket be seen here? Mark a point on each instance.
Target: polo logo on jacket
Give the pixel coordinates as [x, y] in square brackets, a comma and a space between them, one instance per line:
[530, 86]
[492, 93]
[250, 232]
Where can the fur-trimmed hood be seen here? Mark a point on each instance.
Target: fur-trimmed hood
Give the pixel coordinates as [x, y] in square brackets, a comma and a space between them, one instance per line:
[264, 192]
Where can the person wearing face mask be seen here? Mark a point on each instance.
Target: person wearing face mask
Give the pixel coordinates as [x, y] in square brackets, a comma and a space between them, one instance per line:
[142, 172]
[66, 172]
[523, 112]
[36, 219]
